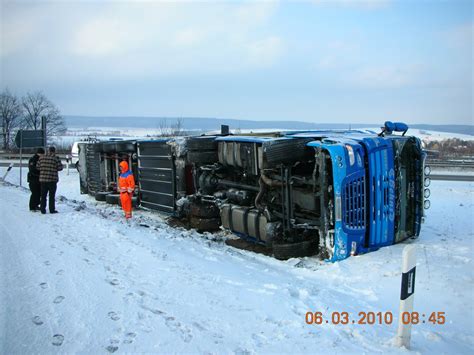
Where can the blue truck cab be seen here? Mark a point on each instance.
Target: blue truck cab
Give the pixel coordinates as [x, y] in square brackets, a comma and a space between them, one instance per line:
[332, 193]
[378, 186]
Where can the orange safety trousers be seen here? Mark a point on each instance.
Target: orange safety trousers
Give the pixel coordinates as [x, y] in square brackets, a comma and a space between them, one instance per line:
[126, 202]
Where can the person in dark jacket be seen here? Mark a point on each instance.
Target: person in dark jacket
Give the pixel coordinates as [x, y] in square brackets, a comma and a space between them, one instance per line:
[49, 165]
[33, 180]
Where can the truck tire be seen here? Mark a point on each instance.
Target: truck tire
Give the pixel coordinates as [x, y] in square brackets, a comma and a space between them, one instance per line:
[129, 146]
[285, 151]
[204, 210]
[205, 224]
[101, 195]
[295, 250]
[112, 199]
[108, 147]
[204, 157]
[202, 143]
[95, 147]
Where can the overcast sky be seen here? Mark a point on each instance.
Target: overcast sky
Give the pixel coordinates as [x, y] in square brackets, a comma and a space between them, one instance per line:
[339, 61]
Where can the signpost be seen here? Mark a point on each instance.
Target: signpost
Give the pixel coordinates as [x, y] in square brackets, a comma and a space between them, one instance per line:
[407, 295]
[30, 139]
[68, 160]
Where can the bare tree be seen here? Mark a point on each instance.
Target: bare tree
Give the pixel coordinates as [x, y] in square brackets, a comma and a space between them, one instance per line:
[36, 105]
[166, 129]
[178, 127]
[10, 111]
[163, 128]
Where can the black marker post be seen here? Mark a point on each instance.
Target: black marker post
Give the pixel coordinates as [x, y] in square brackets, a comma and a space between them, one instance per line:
[407, 295]
[8, 170]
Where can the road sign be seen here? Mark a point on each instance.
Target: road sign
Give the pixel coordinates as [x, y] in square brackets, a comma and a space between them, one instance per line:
[29, 138]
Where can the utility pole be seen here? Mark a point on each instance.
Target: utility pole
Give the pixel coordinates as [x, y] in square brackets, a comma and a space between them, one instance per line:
[43, 127]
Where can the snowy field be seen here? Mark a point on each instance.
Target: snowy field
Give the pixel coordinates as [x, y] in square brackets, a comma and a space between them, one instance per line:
[75, 134]
[85, 281]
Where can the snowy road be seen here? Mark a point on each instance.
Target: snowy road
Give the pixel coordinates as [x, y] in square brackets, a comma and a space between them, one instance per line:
[84, 281]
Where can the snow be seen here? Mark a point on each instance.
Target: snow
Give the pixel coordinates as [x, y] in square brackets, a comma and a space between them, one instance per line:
[429, 136]
[87, 281]
[452, 171]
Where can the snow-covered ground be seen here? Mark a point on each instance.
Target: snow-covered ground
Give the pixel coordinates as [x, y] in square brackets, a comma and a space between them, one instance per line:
[422, 134]
[452, 171]
[77, 134]
[85, 281]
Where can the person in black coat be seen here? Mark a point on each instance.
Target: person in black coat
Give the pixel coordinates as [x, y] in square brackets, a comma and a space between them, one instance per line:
[33, 180]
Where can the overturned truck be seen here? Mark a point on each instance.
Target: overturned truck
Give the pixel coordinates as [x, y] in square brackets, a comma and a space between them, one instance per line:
[331, 193]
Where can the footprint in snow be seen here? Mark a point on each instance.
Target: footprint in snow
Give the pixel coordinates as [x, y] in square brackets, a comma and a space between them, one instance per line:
[184, 331]
[111, 348]
[60, 272]
[129, 337]
[240, 351]
[47, 263]
[43, 285]
[114, 316]
[153, 310]
[199, 326]
[114, 282]
[58, 299]
[37, 320]
[58, 339]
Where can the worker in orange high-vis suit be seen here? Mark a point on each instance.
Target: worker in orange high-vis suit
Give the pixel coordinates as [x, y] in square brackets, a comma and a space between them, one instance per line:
[126, 188]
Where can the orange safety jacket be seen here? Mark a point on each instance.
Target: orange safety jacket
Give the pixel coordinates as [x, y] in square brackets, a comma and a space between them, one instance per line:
[126, 179]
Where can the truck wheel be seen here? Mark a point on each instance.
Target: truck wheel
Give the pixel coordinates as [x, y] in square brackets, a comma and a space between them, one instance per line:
[202, 143]
[109, 147]
[101, 195]
[204, 210]
[113, 199]
[125, 146]
[96, 147]
[295, 250]
[205, 224]
[204, 157]
[285, 151]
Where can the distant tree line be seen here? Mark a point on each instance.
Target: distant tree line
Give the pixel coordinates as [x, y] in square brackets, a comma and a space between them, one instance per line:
[26, 113]
[450, 148]
[169, 129]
